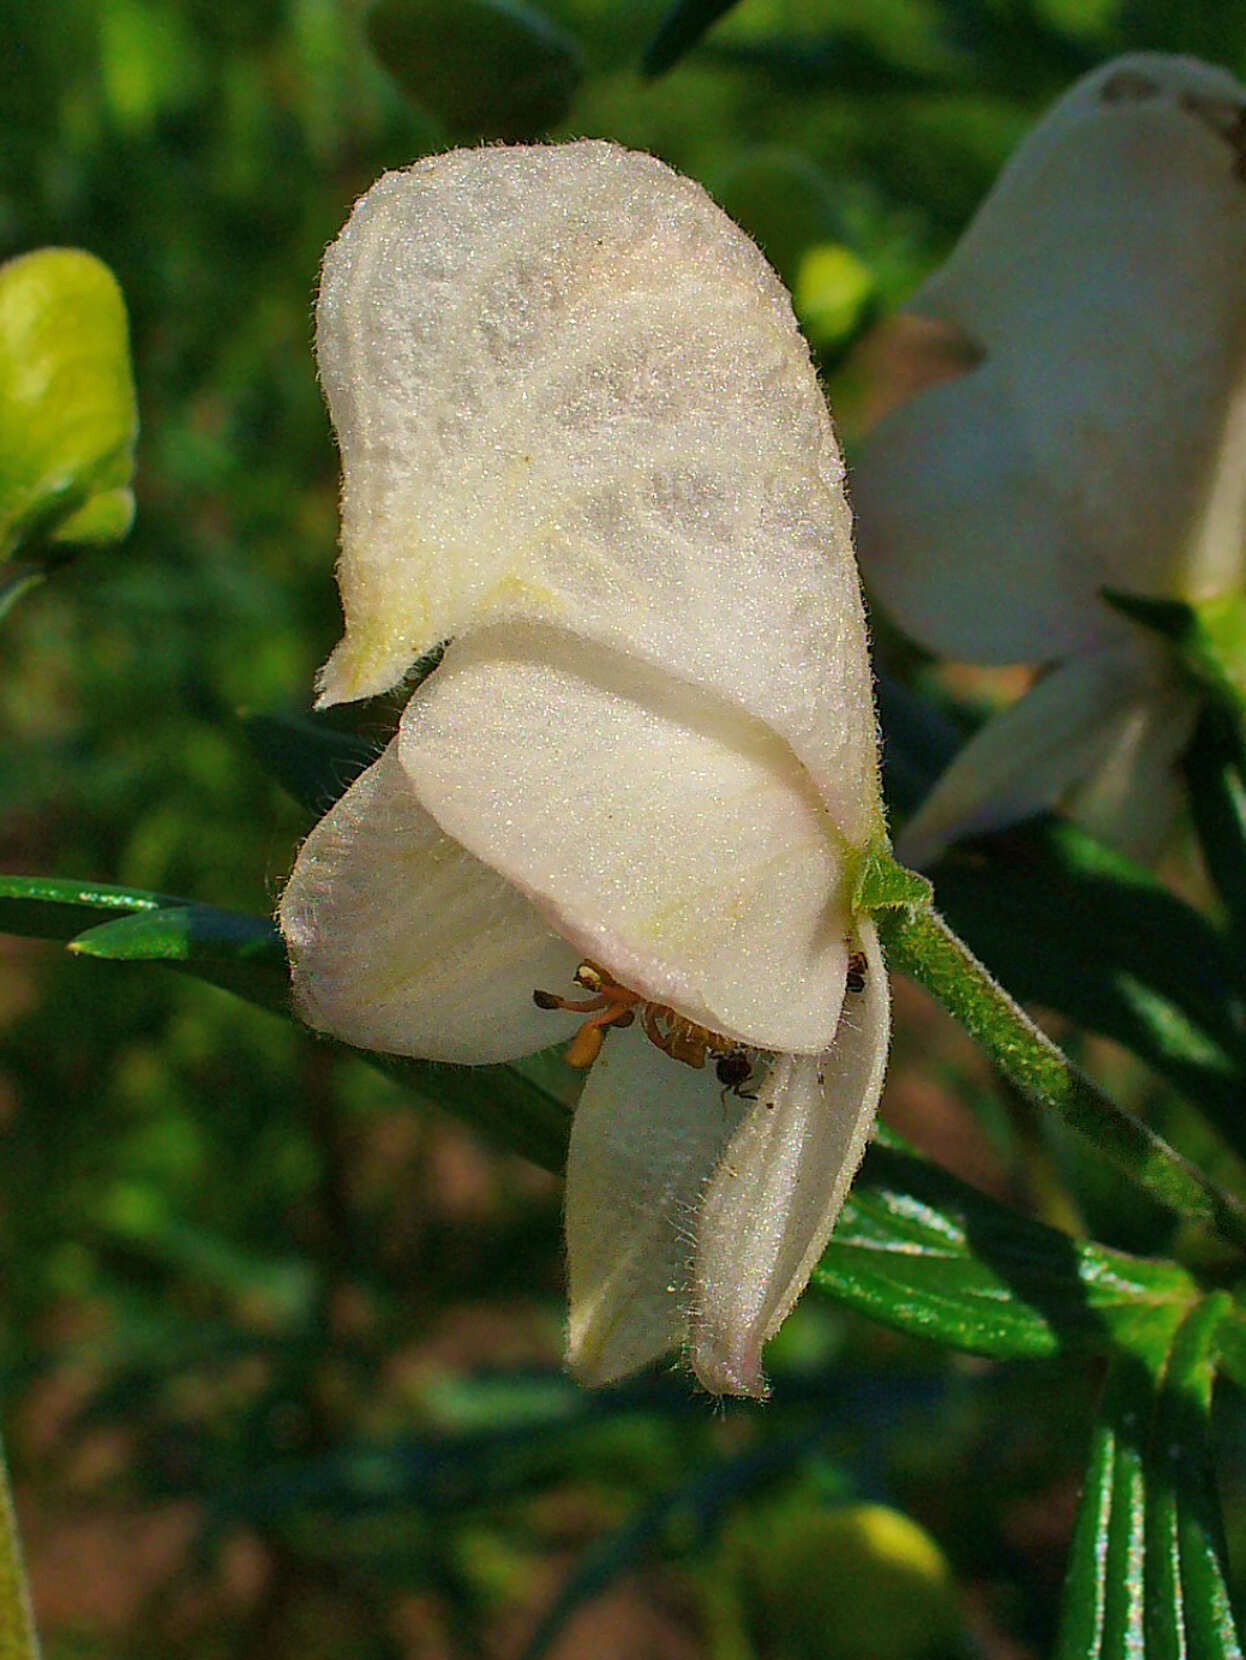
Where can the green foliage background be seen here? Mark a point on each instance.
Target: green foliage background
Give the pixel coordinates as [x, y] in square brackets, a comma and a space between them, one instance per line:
[279, 1338]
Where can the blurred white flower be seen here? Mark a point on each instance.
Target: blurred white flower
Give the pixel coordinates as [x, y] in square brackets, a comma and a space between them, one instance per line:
[1097, 439]
[582, 439]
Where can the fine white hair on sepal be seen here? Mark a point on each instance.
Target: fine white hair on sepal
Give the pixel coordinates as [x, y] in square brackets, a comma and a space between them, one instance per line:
[774, 1195]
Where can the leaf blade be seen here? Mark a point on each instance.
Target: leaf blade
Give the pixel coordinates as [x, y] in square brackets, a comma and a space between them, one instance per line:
[926, 1254]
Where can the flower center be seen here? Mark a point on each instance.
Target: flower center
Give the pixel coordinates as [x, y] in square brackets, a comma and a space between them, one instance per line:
[612, 1004]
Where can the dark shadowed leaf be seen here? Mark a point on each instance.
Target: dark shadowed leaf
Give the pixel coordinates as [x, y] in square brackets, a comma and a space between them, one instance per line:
[1152, 973]
[679, 31]
[314, 761]
[486, 68]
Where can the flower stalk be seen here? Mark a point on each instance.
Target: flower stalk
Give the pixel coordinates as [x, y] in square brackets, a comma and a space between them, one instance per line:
[919, 942]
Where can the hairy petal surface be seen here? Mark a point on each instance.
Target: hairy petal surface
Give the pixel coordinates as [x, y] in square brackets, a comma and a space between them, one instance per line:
[661, 831]
[646, 1136]
[568, 389]
[1089, 718]
[1101, 279]
[774, 1196]
[401, 941]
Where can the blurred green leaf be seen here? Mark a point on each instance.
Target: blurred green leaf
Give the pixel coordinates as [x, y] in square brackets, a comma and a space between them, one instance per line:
[18, 1640]
[1209, 639]
[1147, 1576]
[244, 955]
[68, 419]
[315, 762]
[486, 68]
[1151, 972]
[783, 200]
[679, 31]
[921, 1251]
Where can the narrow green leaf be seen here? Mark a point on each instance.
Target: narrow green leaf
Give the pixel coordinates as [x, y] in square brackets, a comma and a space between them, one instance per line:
[486, 68]
[68, 419]
[311, 759]
[923, 1252]
[58, 907]
[679, 31]
[239, 953]
[1147, 1576]
[16, 581]
[18, 1640]
[1102, 1612]
[1187, 1602]
[185, 934]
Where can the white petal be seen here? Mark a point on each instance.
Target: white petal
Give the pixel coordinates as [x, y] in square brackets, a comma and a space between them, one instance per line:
[672, 840]
[566, 387]
[1062, 731]
[1102, 279]
[401, 941]
[962, 537]
[647, 1133]
[770, 1208]
[1133, 797]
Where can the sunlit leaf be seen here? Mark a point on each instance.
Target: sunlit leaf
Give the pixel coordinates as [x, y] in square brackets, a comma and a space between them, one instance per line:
[1147, 1571]
[486, 68]
[68, 419]
[58, 907]
[921, 1251]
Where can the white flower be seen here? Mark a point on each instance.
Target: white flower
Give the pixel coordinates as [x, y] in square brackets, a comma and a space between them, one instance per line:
[582, 439]
[1098, 441]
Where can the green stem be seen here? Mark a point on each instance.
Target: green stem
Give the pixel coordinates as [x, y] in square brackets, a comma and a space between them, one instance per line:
[921, 944]
[17, 1623]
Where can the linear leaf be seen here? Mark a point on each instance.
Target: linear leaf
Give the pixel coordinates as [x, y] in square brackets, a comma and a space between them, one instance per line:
[312, 760]
[925, 1253]
[679, 31]
[1102, 1614]
[240, 953]
[1146, 1576]
[1187, 1600]
[59, 907]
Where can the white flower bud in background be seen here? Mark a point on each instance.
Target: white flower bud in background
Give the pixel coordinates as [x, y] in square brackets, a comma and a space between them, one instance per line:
[1096, 439]
[582, 439]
